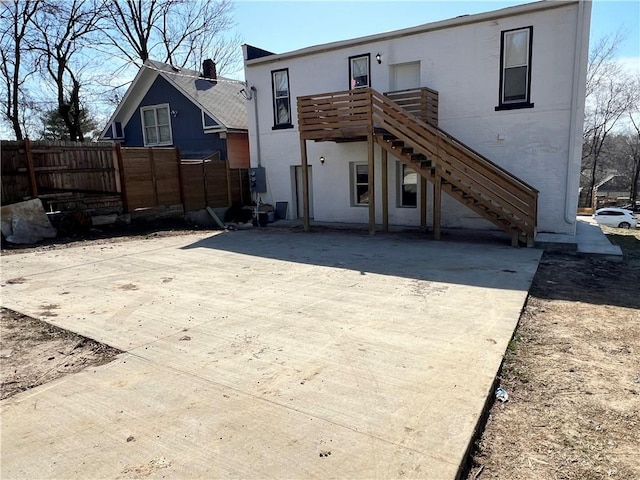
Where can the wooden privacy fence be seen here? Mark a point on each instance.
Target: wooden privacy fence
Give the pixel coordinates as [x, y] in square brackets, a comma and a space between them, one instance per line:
[106, 177]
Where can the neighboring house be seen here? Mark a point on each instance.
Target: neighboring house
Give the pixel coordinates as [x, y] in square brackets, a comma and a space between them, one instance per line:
[201, 114]
[612, 189]
[488, 109]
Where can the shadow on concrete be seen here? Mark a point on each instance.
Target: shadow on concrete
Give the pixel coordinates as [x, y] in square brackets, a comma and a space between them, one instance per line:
[487, 262]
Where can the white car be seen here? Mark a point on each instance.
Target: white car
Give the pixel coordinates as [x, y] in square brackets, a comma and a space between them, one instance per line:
[616, 217]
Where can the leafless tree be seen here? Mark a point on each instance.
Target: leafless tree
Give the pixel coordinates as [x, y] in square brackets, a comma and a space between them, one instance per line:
[15, 20]
[633, 148]
[65, 30]
[178, 32]
[609, 95]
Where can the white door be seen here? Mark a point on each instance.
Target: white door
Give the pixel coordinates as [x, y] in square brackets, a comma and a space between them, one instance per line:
[404, 76]
[299, 195]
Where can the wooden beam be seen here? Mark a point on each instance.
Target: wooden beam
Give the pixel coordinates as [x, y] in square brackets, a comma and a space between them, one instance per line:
[305, 184]
[437, 205]
[152, 163]
[123, 179]
[228, 172]
[180, 182]
[371, 186]
[32, 173]
[385, 192]
[423, 203]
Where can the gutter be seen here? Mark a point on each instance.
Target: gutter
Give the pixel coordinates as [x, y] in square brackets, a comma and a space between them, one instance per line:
[577, 93]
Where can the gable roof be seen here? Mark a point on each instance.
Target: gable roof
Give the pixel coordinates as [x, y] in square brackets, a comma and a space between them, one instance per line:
[220, 99]
[613, 183]
[251, 59]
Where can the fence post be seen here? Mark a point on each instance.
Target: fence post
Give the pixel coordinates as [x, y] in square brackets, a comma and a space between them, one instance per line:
[184, 205]
[30, 168]
[153, 176]
[123, 179]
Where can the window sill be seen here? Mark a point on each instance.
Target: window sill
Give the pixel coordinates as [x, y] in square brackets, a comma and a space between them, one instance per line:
[514, 106]
[284, 126]
[158, 144]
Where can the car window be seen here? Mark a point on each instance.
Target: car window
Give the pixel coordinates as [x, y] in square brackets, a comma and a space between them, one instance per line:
[610, 213]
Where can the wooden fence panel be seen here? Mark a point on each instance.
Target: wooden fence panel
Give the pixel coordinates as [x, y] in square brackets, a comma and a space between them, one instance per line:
[216, 183]
[15, 178]
[193, 186]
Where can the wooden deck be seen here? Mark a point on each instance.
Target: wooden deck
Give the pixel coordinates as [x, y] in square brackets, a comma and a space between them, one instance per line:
[405, 125]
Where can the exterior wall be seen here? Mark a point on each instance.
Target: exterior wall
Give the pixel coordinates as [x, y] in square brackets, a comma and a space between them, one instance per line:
[186, 126]
[463, 64]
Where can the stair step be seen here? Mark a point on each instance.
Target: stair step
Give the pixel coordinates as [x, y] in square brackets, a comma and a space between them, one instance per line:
[408, 151]
[425, 163]
[397, 144]
[389, 138]
[418, 157]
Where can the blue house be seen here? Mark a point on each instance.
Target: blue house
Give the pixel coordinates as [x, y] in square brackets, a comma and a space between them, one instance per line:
[201, 114]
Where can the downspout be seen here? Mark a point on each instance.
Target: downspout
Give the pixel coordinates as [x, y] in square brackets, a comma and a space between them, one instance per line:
[578, 92]
[254, 92]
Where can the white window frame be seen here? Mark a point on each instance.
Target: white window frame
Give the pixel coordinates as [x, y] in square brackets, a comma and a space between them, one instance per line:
[352, 85]
[400, 184]
[355, 183]
[157, 126]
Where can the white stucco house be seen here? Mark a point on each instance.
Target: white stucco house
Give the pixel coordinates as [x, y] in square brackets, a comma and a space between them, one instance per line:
[483, 131]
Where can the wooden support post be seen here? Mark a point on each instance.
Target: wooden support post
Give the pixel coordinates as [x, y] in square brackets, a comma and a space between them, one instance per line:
[32, 172]
[180, 183]
[123, 179]
[423, 203]
[385, 192]
[437, 205]
[305, 184]
[515, 238]
[152, 163]
[228, 172]
[371, 186]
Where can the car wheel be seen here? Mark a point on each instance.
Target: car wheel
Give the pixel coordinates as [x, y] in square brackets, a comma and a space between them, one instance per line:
[624, 225]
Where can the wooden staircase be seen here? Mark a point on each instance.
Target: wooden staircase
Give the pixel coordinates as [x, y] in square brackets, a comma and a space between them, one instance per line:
[453, 168]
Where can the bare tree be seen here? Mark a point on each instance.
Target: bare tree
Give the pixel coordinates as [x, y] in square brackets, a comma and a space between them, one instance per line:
[609, 96]
[66, 28]
[633, 148]
[15, 19]
[178, 32]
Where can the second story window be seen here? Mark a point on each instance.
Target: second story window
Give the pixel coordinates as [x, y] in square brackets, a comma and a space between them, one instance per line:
[515, 69]
[359, 72]
[281, 99]
[156, 125]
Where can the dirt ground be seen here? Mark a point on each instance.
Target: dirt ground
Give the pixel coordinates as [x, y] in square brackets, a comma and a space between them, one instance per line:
[572, 371]
[34, 352]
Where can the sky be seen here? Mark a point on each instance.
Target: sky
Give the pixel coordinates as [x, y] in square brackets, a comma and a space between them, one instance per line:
[282, 26]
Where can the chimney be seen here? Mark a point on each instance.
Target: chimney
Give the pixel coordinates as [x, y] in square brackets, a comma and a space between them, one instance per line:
[209, 69]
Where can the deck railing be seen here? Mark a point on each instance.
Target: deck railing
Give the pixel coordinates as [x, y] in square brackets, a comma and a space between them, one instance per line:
[354, 113]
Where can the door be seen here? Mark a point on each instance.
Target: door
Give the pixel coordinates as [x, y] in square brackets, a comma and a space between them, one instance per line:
[299, 192]
[404, 76]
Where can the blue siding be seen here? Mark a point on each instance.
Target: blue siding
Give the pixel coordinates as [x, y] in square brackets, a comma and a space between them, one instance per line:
[186, 126]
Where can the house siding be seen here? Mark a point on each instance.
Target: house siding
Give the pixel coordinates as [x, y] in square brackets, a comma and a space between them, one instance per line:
[463, 64]
[186, 126]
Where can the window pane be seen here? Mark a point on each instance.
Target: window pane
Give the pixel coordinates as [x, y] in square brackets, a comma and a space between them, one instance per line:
[362, 174]
[280, 84]
[515, 84]
[149, 118]
[151, 135]
[165, 133]
[516, 45]
[360, 72]
[362, 194]
[163, 116]
[282, 113]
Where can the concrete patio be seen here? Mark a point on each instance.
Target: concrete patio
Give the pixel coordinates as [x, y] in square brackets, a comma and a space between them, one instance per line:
[265, 354]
